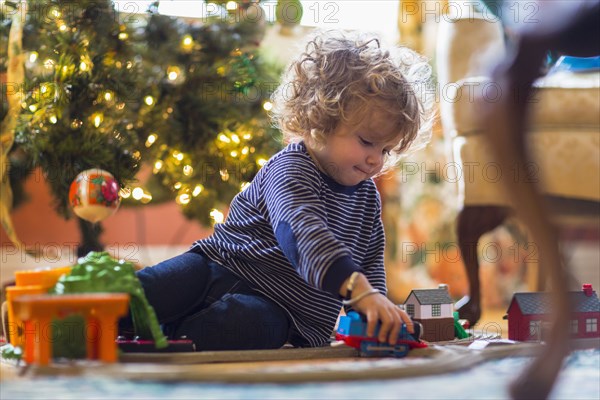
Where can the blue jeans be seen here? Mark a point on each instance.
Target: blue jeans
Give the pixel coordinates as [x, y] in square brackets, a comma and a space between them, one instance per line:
[197, 298]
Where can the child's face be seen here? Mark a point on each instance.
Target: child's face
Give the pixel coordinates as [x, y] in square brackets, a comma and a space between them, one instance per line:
[356, 152]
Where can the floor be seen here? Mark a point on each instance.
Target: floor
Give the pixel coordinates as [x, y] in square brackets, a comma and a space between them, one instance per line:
[580, 378]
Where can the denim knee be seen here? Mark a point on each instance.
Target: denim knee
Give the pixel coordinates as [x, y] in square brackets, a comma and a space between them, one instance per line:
[236, 322]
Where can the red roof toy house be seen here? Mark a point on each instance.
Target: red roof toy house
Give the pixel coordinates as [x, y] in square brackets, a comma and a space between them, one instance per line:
[433, 309]
[528, 312]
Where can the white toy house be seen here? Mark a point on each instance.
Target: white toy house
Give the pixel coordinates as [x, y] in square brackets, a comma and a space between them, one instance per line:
[433, 308]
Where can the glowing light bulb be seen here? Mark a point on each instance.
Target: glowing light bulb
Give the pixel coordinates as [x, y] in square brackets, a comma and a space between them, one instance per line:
[83, 66]
[97, 119]
[197, 190]
[177, 186]
[173, 73]
[224, 175]
[157, 166]
[125, 193]
[146, 198]
[108, 95]
[217, 216]
[261, 162]
[53, 119]
[149, 100]
[231, 6]
[268, 106]
[224, 138]
[137, 193]
[187, 41]
[183, 199]
[33, 56]
[151, 139]
[188, 170]
[123, 35]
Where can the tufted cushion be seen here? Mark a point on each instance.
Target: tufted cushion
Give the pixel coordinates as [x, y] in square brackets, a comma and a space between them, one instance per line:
[566, 163]
[567, 99]
[564, 100]
[565, 122]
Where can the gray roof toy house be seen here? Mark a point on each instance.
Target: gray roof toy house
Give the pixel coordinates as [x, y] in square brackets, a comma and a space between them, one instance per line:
[432, 296]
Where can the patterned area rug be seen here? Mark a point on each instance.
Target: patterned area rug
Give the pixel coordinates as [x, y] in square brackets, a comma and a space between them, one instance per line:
[580, 379]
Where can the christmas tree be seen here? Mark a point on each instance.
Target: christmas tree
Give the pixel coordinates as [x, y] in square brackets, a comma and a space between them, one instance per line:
[205, 120]
[77, 113]
[106, 91]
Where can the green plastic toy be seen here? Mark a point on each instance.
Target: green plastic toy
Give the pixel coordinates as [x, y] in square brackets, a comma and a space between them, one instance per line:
[459, 331]
[99, 272]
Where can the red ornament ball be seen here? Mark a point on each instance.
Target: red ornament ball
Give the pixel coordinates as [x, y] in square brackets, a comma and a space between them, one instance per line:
[94, 195]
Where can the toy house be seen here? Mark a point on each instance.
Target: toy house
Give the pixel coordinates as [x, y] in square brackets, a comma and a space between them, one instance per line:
[528, 312]
[433, 309]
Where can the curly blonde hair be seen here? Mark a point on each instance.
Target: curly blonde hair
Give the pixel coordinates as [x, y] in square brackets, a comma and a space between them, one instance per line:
[340, 76]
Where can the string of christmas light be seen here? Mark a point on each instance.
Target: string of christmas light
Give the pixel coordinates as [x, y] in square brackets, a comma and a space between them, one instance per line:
[207, 130]
[188, 99]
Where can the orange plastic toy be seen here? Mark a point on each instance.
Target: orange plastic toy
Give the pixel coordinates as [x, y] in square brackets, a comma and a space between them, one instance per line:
[37, 281]
[100, 309]
[46, 277]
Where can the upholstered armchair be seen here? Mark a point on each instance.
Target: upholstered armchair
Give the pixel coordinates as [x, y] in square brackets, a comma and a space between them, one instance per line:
[564, 136]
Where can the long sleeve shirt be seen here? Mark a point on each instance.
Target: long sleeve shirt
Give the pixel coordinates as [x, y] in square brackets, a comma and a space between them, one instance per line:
[296, 235]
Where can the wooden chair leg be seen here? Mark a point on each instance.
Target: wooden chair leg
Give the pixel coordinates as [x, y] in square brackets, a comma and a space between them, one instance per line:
[472, 223]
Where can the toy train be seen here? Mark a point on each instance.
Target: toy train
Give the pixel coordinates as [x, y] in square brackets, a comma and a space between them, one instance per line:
[352, 329]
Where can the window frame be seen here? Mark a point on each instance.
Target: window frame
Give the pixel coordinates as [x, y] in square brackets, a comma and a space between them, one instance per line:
[591, 325]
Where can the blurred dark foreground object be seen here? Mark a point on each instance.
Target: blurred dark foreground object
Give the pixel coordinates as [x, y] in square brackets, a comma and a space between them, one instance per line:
[572, 30]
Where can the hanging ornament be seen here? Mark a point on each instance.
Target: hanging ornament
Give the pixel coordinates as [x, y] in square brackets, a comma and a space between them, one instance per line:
[94, 195]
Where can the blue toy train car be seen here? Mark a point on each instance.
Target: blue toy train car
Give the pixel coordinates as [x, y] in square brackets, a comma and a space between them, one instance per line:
[352, 329]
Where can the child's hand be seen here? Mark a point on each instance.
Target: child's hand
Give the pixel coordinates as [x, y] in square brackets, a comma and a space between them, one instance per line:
[377, 307]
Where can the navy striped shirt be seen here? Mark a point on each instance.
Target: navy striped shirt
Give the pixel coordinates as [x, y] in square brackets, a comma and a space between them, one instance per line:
[296, 235]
